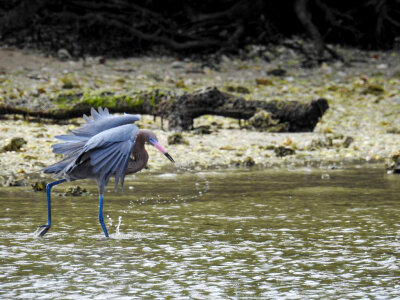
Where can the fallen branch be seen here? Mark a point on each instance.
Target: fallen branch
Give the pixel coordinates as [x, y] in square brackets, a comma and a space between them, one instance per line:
[300, 117]
[180, 111]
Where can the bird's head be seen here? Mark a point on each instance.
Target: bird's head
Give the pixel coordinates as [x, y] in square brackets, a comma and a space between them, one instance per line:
[152, 139]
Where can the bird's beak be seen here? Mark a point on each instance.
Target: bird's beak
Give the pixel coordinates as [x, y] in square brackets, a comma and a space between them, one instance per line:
[160, 148]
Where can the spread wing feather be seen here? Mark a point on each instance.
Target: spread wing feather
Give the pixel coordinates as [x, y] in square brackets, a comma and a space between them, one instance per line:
[68, 149]
[100, 156]
[107, 139]
[87, 119]
[101, 121]
[109, 153]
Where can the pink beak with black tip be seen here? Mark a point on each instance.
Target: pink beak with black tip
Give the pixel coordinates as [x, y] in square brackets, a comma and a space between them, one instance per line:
[160, 148]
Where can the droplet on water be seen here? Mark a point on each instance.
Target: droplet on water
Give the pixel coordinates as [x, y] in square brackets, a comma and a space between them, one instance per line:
[325, 176]
[118, 225]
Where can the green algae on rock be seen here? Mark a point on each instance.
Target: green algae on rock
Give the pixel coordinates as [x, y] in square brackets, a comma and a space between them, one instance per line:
[14, 145]
[393, 166]
[177, 138]
[202, 130]
[282, 151]
[374, 89]
[249, 161]
[39, 186]
[265, 121]
[75, 191]
[264, 81]
[238, 89]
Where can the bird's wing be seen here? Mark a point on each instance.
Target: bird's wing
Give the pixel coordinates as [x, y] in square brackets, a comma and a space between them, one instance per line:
[102, 120]
[109, 153]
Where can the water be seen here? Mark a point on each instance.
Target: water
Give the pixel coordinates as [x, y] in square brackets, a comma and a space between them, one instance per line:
[216, 235]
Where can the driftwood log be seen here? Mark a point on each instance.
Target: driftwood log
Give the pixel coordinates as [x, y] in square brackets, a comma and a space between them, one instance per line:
[180, 111]
[301, 117]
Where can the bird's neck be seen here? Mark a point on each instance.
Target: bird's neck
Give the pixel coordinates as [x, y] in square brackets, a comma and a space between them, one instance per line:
[140, 155]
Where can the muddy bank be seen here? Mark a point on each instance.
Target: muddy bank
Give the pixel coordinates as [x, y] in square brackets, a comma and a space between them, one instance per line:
[361, 126]
[226, 146]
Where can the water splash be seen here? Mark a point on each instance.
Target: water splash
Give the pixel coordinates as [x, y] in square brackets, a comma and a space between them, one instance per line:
[37, 232]
[118, 225]
[202, 189]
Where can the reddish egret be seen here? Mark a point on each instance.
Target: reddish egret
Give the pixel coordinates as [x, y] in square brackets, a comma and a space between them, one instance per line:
[107, 145]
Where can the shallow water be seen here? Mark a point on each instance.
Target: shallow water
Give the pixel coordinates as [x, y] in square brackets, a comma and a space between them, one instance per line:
[217, 235]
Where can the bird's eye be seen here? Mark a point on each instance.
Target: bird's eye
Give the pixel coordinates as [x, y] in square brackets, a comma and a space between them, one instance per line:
[151, 140]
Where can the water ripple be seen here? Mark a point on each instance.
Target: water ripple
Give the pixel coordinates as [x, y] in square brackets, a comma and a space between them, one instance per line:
[286, 242]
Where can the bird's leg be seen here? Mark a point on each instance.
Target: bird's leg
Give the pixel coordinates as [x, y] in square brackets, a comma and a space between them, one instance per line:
[101, 219]
[48, 191]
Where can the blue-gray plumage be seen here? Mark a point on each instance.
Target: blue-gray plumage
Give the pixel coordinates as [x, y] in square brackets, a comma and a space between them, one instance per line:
[107, 145]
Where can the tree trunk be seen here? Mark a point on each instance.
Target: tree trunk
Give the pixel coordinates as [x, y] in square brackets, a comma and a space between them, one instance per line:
[305, 19]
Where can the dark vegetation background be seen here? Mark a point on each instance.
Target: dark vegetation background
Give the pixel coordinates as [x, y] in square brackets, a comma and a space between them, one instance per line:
[127, 28]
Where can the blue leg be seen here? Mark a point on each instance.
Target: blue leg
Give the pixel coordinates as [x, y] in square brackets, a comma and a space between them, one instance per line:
[101, 219]
[48, 190]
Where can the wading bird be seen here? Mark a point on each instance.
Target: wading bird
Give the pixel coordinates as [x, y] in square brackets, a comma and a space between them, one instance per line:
[107, 145]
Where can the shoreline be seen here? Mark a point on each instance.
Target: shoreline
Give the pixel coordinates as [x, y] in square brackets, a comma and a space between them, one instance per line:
[362, 124]
[223, 149]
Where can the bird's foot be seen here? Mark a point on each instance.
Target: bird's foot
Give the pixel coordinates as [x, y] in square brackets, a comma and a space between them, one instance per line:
[42, 230]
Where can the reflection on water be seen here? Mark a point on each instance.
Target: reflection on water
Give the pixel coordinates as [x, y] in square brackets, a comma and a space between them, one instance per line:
[233, 234]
